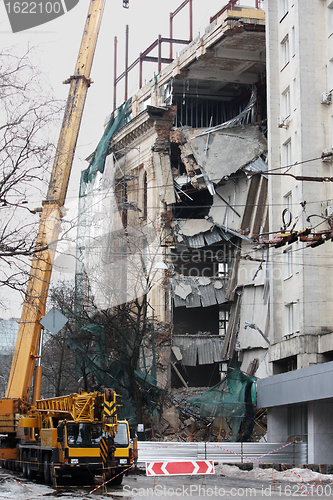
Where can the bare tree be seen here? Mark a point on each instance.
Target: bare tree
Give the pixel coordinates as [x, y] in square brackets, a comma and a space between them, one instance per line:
[109, 344]
[58, 366]
[27, 111]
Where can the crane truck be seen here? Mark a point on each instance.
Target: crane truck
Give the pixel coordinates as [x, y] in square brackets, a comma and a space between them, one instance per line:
[77, 435]
[65, 435]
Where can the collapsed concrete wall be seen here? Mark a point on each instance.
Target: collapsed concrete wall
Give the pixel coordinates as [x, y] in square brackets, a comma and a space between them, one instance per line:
[218, 279]
[182, 199]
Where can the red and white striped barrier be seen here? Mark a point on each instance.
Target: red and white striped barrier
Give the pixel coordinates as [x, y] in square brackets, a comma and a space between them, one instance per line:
[180, 468]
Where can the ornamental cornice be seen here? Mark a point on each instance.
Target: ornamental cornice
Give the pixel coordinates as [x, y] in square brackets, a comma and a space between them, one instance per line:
[134, 132]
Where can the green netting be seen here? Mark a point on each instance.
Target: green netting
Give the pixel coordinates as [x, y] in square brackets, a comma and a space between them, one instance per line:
[233, 398]
[113, 372]
[94, 359]
[117, 120]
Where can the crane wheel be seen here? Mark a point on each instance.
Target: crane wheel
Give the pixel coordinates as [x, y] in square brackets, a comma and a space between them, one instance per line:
[25, 464]
[30, 472]
[117, 480]
[47, 469]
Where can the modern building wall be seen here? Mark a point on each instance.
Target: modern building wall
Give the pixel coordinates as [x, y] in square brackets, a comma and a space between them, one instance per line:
[299, 129]
[299, 408]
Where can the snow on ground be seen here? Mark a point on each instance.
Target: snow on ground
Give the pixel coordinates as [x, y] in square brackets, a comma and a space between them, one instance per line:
[12, 487]
[291, 475]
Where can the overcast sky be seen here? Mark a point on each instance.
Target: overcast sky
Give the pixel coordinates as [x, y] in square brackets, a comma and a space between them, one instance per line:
[57, 43]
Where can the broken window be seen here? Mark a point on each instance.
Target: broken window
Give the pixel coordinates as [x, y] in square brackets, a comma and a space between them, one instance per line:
[202, 108]
[127, 191]
[193, 204]
[196, 320]
[198, 112]
[196, 376]
[197, 358]
[213, 261]
[224, 314]
[175, 159]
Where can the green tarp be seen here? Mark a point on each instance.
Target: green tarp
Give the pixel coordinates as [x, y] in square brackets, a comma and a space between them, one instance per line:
[117, 120]
[232, 398]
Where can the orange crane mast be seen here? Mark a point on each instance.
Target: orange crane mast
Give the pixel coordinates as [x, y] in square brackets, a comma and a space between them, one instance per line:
[38, 438]
[28, 337]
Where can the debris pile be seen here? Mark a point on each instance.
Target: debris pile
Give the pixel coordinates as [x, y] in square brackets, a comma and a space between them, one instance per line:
[192, 414]
[179, 421]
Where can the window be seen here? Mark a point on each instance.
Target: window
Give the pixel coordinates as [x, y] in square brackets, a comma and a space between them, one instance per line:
[224, 313]
[84, 434]
[121, 437]
[288, 203]
[286, 103]
[294, 88]
[286, 153]
[293, 41]
[143, 194]
[295, 148]
[289, 319]
[288, 264]
[143, 104]
[284, 51]
[330, 18]
[223, 270]
[298, 316]
[330, 74]
[283, 8]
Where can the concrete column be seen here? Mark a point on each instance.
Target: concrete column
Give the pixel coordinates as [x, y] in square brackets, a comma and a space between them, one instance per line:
[320, 432]
[277, 424]
[306, 359]
[311, 433]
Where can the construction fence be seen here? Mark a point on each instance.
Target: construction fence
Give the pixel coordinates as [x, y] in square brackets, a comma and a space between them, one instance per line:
[225, 452]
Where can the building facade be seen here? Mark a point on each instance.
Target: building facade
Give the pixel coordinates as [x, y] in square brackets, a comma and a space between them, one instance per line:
[175, 206]
[299, 85]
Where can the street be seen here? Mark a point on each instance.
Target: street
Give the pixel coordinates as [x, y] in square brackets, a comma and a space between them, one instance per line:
[133, 487]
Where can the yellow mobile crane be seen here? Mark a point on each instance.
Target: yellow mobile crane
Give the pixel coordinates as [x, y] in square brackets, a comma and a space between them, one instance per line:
[37, 434]
[76, 435]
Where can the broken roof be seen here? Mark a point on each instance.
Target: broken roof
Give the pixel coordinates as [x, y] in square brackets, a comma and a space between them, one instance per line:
[195, 291]
[197, 233]
[202, 348]
[224, 152]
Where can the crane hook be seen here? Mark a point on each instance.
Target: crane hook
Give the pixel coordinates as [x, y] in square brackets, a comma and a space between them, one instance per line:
[126, 4]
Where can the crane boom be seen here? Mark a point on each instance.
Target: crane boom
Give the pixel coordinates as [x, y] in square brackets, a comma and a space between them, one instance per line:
[28, 337]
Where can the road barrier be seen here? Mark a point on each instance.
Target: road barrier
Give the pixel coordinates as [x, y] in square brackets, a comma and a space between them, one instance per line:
[224, 452]
[181, 468]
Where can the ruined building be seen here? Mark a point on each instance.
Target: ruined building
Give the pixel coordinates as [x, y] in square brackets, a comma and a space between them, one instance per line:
[225, 218]
[174, 197]
[300, 129]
